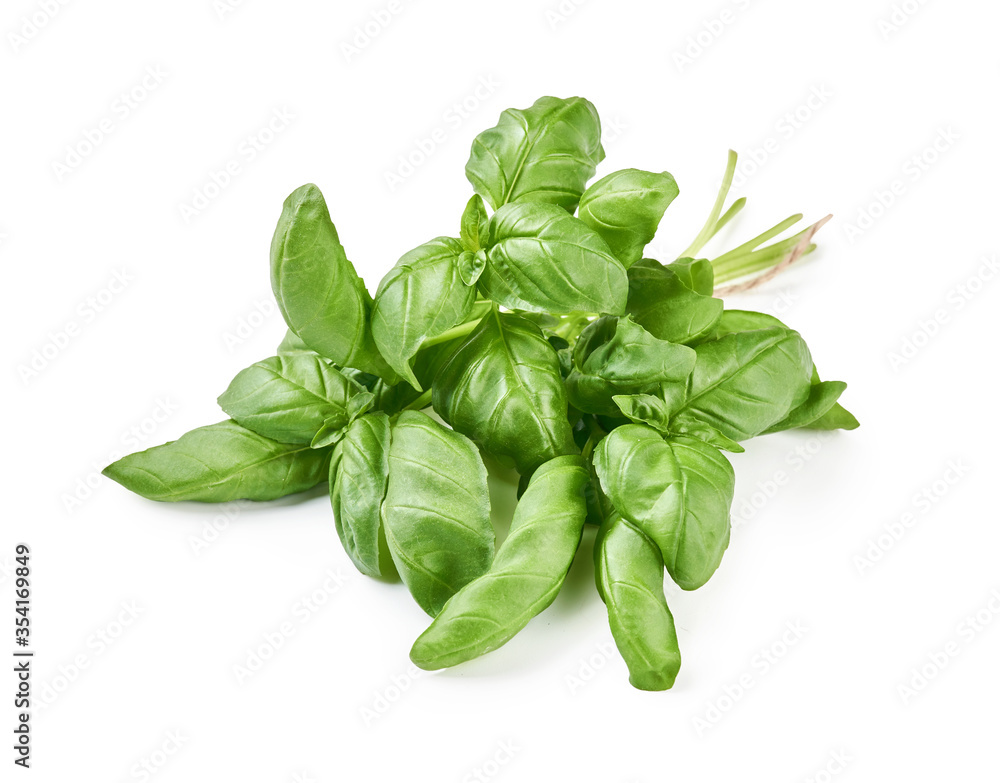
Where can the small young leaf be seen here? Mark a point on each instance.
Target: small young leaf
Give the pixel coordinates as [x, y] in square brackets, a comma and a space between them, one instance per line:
[644, 409]
[475, 224]
[471, 266]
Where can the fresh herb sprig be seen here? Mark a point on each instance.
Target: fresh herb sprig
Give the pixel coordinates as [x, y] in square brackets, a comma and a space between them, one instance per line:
[544, 338]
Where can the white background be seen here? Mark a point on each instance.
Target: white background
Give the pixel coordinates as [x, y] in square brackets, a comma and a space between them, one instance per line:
[188, 320]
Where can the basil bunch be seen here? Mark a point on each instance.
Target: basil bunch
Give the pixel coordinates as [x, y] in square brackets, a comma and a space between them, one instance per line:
[543, 338]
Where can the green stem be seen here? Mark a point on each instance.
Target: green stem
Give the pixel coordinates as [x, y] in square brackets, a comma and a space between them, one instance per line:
[420, 403]
[759, 261]
[732, 256]
[456, 331]
[711, 225]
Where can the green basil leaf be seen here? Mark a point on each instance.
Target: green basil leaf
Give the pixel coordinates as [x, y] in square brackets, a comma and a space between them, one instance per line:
[820, 410]
[359, 478]
[289, 398]
[644, 409]
[629, 574]
[318, 290]
[421, 297]
[662, 303]
[696, 274]
[542, 259]
[475, 224]
[526, 575]
[503, 389]
[706, 434]
[677, 490]
[360, 404]
[617, 356]
[220, 463]
[436, 511]
[744, 383]
[292, 343]
[823, 396]
[330, 434]
[626, 207]
[471, 266]
[546, 153]
[735, 321]
[837, 418]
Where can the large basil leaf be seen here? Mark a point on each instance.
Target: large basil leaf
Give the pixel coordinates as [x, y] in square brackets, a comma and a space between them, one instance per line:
[436, 512]
[421, 297]
[617, 356]
[318, 290]
[546, 153]
[219, 463]
[660, 301]
[289, 398]
[629, 574]
[359, 477]
[744, 383]
[503, 389]
[541, 259]
[677, 490]
[526, 575]
[626, 207]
